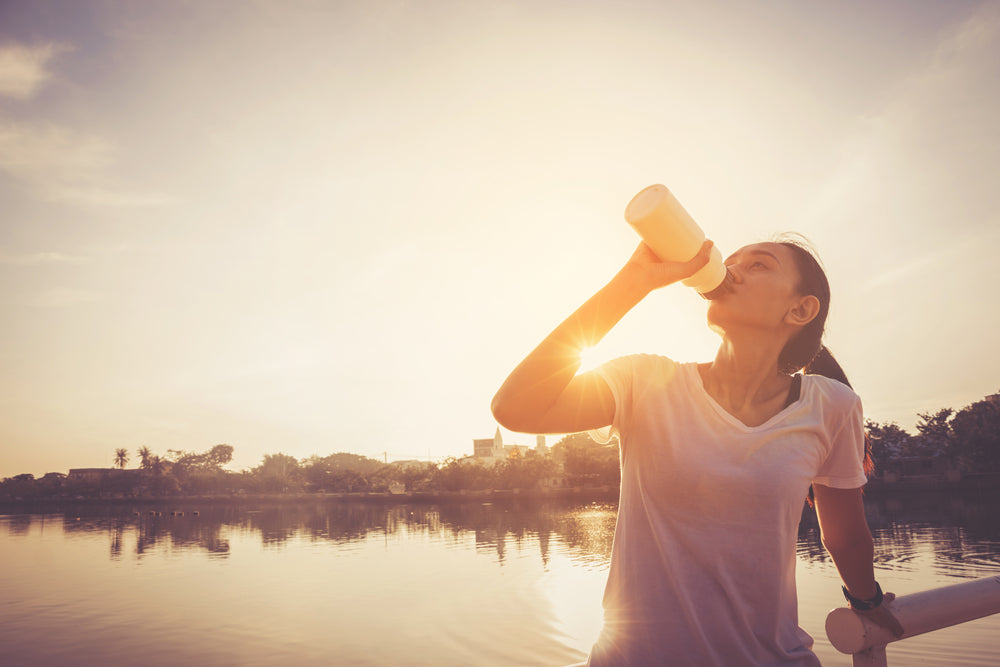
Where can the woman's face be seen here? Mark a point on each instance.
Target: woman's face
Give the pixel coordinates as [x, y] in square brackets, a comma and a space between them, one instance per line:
[764, 289]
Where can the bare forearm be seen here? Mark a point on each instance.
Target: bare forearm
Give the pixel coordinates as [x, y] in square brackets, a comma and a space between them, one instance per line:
[540, 378]
[846, 536]
[855, 563]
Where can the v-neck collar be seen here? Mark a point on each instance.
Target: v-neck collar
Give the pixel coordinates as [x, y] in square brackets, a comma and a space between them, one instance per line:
[728, 416]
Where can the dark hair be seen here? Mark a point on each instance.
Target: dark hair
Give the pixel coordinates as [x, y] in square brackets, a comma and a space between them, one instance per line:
[803, 347]
[805, 350]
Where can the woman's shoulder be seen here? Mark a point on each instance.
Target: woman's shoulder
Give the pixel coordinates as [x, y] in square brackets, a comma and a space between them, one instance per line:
[643, 368]
[833, 391]
[645, 361]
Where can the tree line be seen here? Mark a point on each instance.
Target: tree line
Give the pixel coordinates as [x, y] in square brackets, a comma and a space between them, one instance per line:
[576, 460]
[967, 440]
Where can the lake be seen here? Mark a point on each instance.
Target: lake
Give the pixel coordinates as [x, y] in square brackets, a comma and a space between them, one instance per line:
[337, 582]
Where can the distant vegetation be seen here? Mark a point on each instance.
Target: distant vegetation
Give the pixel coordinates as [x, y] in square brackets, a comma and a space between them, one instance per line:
[576, 460]
[967, 440]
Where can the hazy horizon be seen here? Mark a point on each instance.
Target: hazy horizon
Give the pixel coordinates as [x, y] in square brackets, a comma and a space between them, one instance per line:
[312, 227]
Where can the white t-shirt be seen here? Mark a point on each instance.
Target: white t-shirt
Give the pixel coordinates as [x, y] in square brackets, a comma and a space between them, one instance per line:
[703, 563]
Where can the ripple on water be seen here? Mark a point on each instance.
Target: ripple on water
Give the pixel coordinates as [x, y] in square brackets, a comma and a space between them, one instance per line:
[925, 550]
[976, 562]
[902, 558]
[590, 562]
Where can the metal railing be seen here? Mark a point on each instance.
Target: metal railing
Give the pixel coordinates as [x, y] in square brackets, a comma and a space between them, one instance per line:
[918, 613]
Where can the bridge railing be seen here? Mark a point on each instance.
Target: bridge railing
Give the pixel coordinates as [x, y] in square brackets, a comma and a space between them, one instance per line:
[918, 613]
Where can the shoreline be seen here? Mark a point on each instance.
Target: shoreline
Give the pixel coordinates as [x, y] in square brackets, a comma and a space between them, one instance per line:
[988, 483]
[600, 493]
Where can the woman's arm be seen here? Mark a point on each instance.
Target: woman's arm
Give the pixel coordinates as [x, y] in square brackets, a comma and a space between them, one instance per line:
[844, 529]
[544, 394]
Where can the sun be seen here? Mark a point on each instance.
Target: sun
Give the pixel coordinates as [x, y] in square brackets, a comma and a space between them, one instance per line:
[591, 358]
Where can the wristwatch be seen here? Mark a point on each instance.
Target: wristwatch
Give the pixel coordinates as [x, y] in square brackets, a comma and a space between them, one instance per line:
[864, 605]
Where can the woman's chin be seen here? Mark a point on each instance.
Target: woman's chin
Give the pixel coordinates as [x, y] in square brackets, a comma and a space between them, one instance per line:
[724, 317]
[717, 313]
[717, 329]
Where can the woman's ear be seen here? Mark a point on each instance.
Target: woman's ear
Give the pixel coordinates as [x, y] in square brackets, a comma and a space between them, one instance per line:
[804, 311]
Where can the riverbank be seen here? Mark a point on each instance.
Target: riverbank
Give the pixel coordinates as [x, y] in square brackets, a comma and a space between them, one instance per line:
[974, 483]
[585, 493]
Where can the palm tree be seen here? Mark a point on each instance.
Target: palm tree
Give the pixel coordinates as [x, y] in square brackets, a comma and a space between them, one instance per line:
[121, 457]
[144, 457]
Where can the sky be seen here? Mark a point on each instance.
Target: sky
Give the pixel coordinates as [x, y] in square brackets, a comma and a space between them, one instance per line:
[310, 227]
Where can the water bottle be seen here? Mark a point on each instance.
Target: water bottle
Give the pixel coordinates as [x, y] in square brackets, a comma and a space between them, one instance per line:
[673, 235]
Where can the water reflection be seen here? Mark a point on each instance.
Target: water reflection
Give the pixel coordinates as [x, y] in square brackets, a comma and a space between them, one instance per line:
[956, 535]
[584, 532]
[18, 524]
[326, 582]
[150, 529]
[959, 535]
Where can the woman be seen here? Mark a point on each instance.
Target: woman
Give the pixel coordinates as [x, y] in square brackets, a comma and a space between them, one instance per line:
[716, 460]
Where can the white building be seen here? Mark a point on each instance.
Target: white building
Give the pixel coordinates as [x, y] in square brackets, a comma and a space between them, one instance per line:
[540, 447]
[491, 450]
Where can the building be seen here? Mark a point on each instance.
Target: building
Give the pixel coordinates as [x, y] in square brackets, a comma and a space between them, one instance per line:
[491, 450]
[487, 448]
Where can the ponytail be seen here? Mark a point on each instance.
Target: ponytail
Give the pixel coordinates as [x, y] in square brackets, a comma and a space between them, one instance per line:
[824, 364]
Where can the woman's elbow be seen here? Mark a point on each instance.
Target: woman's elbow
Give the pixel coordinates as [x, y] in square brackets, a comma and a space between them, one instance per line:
[503, 413]
[508, 415]
[499, 410]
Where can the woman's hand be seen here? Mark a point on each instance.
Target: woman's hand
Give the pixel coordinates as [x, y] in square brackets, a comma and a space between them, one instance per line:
[882, 615]
[652, 273]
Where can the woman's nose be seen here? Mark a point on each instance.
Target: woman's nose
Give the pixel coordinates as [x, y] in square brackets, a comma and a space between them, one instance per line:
[736, 273]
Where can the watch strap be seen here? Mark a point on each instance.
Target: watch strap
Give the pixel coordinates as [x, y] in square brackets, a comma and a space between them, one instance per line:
[858, 604]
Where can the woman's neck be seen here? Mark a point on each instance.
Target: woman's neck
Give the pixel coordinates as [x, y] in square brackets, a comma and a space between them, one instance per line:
[744, 379]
